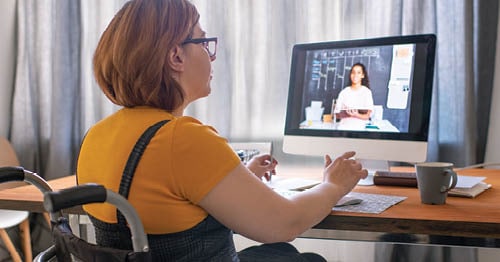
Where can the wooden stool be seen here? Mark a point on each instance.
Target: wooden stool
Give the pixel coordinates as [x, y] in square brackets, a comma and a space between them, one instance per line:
[10, 218]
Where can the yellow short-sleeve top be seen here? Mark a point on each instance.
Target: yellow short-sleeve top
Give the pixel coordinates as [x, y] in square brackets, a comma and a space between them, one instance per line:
[181, 164]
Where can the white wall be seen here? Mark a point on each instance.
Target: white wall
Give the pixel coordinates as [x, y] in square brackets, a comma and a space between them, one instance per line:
[7, 61]
[493, 145]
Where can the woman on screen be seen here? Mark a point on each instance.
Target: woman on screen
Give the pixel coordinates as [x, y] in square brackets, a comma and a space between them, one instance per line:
[190, 188]
[355, 102]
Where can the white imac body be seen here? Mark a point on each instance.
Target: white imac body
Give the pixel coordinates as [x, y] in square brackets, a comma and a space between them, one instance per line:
[400, 70]
[388, 150]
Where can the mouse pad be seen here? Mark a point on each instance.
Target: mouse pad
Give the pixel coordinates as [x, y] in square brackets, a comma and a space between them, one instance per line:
[372, 203]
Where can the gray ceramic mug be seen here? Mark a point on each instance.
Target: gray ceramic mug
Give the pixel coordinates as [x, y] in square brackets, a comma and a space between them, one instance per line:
[434, 180]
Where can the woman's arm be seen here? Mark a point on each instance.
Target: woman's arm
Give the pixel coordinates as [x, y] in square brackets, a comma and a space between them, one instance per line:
[355, 113]
[363, 114]
[249, 207]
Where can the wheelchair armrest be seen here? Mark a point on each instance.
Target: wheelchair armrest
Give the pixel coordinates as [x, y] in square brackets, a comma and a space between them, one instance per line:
[74, 196]
[11, 173]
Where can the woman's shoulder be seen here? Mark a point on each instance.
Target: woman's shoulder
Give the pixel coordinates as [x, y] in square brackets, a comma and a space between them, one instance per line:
[132, 122]
[133, 118]
[346, 89]
[190, 125]
[365, 88]
[190, 135]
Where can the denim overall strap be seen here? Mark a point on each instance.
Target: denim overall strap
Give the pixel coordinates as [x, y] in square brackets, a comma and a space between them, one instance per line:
[133, 160]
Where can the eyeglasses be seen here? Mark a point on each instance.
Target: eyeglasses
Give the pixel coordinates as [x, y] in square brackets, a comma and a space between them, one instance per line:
[210, 44]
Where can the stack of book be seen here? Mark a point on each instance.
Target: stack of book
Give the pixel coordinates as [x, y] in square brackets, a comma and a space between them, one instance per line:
[467, 186]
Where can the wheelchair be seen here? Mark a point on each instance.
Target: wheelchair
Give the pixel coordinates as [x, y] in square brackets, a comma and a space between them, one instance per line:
[68, 247]
[14, 217]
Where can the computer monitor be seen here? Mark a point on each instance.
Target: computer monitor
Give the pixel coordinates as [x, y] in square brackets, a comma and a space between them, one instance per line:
[400, 71]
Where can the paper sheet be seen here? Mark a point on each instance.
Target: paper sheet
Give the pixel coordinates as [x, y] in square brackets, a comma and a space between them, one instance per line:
[292, 183]
[468, 181]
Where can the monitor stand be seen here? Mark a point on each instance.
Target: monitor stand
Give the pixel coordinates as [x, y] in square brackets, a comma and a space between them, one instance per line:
[372, 166]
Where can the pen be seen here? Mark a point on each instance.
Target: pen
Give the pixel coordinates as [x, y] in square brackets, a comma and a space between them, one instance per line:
[271, 161]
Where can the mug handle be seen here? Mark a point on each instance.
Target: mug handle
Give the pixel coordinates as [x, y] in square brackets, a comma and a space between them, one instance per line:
[454, 180]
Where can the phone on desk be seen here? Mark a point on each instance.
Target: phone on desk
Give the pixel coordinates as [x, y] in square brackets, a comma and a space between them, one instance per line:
[348, 201]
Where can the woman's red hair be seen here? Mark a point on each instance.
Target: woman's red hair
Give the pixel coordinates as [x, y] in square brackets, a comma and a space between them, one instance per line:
[130, 61]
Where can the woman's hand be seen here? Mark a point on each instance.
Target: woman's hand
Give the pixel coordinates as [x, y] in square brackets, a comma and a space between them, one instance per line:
[261, 166]
[352, 112]
[344, 172]
[361, 114]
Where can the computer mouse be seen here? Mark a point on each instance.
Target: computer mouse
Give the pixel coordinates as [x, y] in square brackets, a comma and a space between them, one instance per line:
[348, 201]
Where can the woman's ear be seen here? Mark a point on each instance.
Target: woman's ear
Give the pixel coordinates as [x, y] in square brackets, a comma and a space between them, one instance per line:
[175, 59]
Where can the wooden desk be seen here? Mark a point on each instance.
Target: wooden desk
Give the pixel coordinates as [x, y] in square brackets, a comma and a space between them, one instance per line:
[463, 221]
[30, 198]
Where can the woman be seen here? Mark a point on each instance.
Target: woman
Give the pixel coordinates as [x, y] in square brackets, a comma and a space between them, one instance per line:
[189, 187]
[355, 102]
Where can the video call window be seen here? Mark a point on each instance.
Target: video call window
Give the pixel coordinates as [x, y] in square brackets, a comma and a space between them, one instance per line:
[389, 73]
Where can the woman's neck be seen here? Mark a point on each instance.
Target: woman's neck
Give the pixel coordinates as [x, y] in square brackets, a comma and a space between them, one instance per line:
[178, 112]
[355, 86]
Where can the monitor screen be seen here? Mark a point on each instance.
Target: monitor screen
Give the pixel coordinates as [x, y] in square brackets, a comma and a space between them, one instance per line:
[372, 96]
